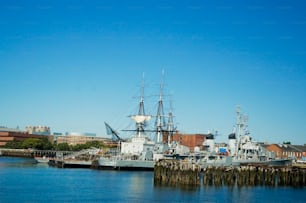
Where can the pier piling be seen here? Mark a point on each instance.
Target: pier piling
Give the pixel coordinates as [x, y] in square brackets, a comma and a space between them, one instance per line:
[171, 172]
[175, 172]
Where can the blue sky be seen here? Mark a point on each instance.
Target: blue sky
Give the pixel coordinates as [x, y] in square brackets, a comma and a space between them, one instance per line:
[72, 65]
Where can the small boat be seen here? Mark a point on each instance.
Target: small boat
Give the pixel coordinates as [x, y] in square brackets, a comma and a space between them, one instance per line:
[43, 159]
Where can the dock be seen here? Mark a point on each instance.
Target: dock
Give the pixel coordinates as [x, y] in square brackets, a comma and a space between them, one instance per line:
[80, 159]
[16, 152]
[180, 173]
[70, 163]
[174, 172]
[61, 159]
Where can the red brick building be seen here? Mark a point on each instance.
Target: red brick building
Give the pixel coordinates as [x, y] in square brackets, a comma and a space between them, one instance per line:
[288, 150]
[7, 136]
[188, 140]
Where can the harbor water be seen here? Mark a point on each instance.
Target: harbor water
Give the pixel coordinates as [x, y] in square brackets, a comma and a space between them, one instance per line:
[23, 180]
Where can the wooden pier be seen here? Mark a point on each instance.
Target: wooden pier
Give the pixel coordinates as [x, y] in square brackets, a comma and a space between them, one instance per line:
[174, 172]
[30, 153]
[16, 153]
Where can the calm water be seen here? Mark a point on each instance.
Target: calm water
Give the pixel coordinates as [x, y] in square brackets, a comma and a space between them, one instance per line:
[22, 180]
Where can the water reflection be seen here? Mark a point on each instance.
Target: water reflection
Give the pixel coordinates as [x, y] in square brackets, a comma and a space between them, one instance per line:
[136, 182]
[16, 162]
[23, 176]
[188, 188]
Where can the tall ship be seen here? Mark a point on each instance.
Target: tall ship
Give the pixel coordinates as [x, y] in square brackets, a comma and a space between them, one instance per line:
[140, 151]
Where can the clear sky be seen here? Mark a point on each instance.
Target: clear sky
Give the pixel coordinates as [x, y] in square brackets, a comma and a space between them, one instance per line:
[72, 65]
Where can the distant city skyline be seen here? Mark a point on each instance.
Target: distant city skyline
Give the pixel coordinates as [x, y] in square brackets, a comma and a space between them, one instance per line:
[72, 65]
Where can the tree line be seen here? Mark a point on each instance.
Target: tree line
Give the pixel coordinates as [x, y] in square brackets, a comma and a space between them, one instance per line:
[45, 144]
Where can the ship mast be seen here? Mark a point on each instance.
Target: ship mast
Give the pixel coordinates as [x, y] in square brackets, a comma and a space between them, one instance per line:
[241, 124]
[170, 125]
[160, 121]
[141, 118]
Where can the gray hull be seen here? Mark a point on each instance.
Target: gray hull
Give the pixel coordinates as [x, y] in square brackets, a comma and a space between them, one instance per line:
[225, 161]
[125, 164]
[274, 162]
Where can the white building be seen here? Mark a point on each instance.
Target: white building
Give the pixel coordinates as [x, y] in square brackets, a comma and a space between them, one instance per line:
[38, 130]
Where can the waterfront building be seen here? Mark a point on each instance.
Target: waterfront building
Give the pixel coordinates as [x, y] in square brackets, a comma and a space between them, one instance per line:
[38, 130]
[80, 138]
[288, 151]
[6, 129]
[189, 140]
[8, 136]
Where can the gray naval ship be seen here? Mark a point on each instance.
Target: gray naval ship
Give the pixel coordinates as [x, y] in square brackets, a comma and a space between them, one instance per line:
[240, 150]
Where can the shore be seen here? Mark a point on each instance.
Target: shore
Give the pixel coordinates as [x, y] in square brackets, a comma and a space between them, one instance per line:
[176, 172]
[27, 153]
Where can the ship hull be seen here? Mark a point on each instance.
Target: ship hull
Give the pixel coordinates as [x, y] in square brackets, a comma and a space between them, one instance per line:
[141, 165]
[272, 163]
